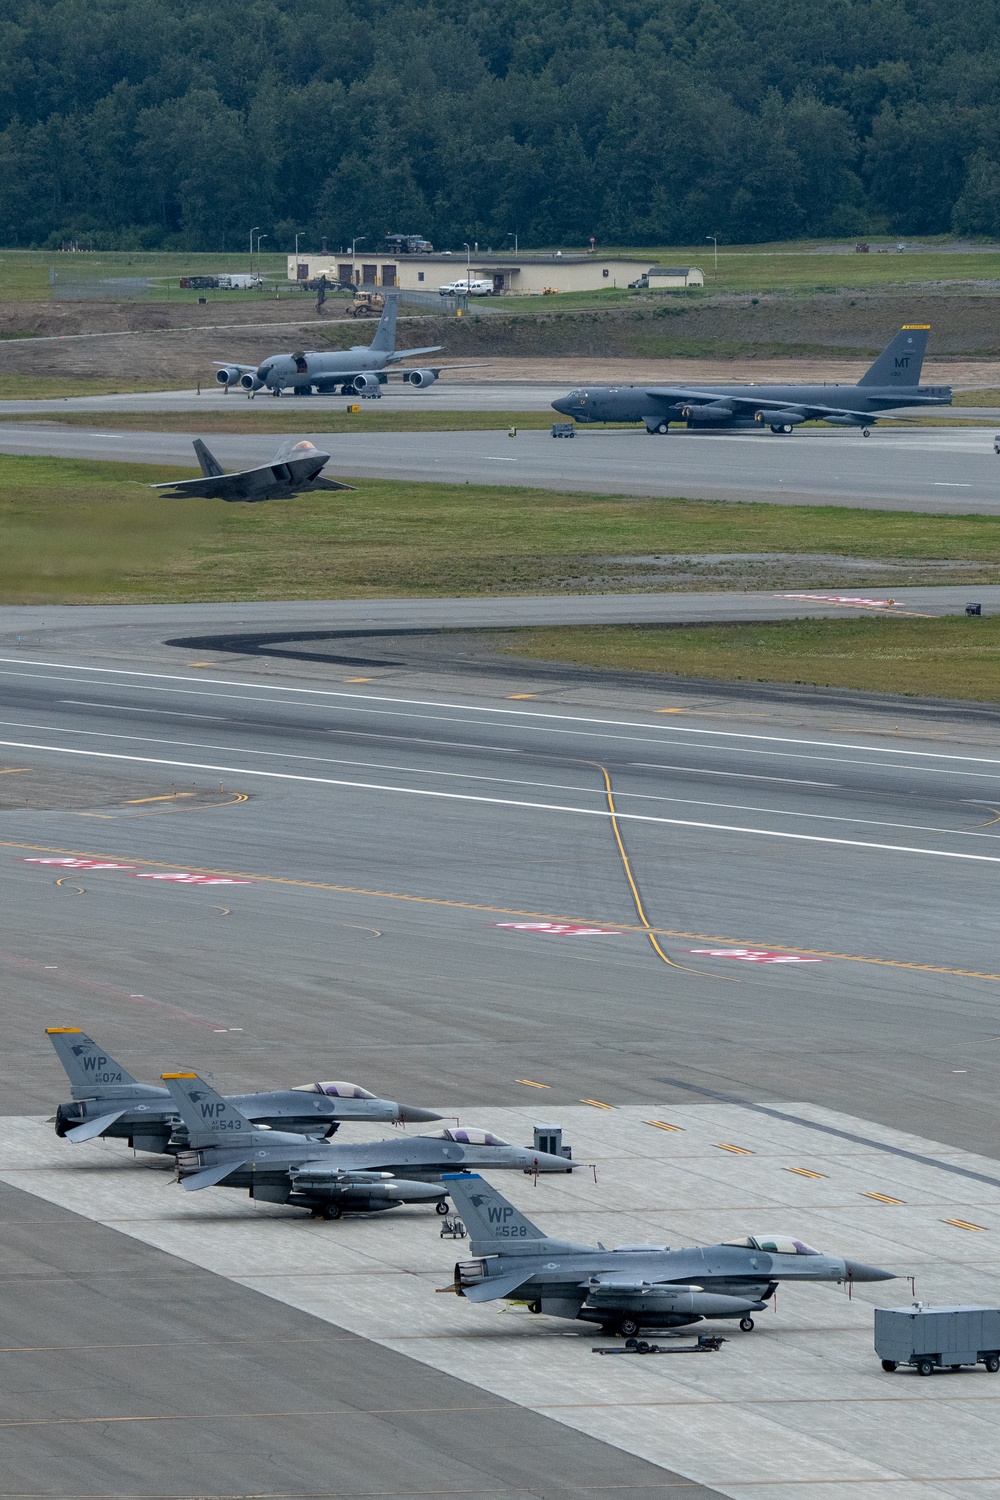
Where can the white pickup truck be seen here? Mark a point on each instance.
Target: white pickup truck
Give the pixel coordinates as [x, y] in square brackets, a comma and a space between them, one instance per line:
[463, 288]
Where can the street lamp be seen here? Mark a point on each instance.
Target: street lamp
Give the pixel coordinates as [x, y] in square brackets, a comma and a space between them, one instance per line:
[513, 236]
[468, 269]
[715, 245]
[297, 238]
[357, 241]
[259, 238]
[252, 233]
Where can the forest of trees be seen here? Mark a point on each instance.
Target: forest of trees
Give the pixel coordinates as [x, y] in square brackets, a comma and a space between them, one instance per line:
[180, 123]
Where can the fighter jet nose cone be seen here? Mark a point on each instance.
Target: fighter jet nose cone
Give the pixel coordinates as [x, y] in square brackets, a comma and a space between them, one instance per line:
[409, 1114]
[858, 1271]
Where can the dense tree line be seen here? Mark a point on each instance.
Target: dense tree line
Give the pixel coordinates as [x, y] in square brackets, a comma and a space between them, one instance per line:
[179, 123]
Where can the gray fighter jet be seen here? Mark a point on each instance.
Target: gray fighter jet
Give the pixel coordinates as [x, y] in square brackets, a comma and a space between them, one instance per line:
[891, 382]
[359, 371]
[108, 1101]
[632, 1286]
[296, 467]
[227, 1150]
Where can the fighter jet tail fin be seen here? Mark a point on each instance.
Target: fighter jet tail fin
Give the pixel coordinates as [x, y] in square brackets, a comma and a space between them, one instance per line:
[385, 334]
[901, 361]
[210, 466]
[210, 1119]
[88, 1068]
[494, 1225]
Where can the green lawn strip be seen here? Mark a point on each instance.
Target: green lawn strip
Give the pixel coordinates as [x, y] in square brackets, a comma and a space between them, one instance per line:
[298, 416]
[954, 657]
[79, 531]
[54, 387]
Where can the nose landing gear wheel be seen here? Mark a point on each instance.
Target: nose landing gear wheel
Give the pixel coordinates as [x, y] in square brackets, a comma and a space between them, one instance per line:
[747, 1324]
[866, 432]
[442, 1207]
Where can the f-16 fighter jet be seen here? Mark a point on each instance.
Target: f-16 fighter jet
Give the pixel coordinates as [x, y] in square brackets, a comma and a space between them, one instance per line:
[296, 467]
[891, 382]
[633, 1286]
[359, 371]
[227, 1150]
[108, 1101]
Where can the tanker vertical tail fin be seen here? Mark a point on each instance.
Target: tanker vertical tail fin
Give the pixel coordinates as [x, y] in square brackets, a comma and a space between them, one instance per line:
[901, 361]
[384, 341]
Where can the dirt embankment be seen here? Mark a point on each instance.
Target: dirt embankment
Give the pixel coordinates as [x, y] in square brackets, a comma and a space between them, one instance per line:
[822, 337]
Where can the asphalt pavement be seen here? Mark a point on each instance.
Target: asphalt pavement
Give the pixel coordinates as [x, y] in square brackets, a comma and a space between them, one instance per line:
[938, 470]
[430, 890]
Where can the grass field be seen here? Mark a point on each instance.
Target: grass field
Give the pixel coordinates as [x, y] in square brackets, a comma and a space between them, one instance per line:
[801, 268]
[53, 387]
[262, 417]
[75, 532]
[955, 657]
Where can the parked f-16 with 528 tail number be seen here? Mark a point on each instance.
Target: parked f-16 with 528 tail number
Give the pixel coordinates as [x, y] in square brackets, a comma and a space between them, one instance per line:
[891, 382]
[633, 1286]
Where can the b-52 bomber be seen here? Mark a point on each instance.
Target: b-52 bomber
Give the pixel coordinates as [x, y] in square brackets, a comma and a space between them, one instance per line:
[109, 1102]
[359, 371]
[891, 382]
[295, 469]
[227, 1150]
[633, 1286]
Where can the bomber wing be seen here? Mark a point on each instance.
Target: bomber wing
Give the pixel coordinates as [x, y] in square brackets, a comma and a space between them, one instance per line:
[757, 400]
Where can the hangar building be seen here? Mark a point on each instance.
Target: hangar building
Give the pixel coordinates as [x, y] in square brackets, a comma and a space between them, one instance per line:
[527, 275]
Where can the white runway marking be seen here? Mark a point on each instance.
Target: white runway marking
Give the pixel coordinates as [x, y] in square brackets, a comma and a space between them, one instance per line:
[798, 1407]
[549, 807]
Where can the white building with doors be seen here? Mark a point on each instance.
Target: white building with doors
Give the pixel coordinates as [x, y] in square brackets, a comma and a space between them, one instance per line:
[527, 275]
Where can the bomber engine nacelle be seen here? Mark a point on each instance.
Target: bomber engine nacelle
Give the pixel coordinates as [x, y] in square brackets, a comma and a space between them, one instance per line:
[367, 385]
[420, 378]
[711, 411]
[251, 382]
[846, 421]
[778, 418]
[228, 375]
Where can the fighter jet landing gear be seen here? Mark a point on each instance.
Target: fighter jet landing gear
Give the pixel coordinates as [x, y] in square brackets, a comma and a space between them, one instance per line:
[327, 1211]
[866, 432]
[442, 1207]
[628, 1327]
[779, 427]
[746, 1324]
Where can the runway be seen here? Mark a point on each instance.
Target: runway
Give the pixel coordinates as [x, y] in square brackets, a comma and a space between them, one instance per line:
[385, 881]
[935, 470]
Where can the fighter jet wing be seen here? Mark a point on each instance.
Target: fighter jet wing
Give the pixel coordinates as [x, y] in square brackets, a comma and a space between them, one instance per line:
[497, 1286]
[87, 1131]
[236, 486]
[210, 1176]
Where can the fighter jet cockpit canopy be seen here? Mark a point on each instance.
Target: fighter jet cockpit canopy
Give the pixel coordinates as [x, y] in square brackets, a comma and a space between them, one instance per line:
[465, 1137]
[774, 1244]
[335, 1090]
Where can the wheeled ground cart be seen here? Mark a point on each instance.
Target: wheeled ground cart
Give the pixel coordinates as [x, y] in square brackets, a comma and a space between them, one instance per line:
[937, 1338]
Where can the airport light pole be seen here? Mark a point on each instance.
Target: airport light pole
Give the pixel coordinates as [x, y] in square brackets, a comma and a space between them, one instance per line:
[468, 268]
[511, 235]
[252, 233]
[715, 250]
[297, 238]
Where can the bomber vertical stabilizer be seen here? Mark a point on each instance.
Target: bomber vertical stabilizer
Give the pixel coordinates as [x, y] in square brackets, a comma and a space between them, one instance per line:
[901, 361]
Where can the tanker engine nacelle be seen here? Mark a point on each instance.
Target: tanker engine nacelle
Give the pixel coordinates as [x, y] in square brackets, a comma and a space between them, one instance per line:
[251, 382]
[367, 385]
[228, 376]
[420, 378]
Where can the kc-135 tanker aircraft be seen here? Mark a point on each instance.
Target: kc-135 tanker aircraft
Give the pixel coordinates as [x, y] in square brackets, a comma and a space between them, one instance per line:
[891, 382]
[360, 371]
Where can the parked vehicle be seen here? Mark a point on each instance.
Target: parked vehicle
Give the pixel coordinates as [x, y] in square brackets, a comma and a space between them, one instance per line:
[467, 288]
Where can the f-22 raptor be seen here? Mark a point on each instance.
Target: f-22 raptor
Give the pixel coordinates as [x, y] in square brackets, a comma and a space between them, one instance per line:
[108, 1101]
[297, 467]
[359, 371]
[891, 382]
[632, 1286]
